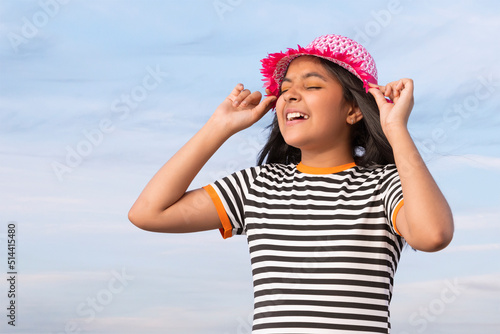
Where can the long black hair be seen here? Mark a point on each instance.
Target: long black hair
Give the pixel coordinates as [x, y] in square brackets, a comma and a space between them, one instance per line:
[368, 142]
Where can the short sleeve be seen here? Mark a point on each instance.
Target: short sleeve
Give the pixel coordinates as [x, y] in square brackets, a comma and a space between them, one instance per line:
[392, 195]
[228, 195]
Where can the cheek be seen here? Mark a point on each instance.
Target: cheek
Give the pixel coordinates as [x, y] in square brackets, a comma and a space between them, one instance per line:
[280, 105]
[280, 102]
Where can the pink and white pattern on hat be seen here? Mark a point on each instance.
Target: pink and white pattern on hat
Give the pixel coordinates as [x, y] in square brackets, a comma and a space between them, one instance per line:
[339, 49]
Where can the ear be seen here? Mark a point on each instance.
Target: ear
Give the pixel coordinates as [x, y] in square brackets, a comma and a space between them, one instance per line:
[354, 115]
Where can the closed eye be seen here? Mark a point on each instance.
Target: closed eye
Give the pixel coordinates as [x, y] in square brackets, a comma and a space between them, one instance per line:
[311, 87]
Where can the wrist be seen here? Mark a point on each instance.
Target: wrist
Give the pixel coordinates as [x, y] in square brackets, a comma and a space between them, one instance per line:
[396, 133]
[219, 128]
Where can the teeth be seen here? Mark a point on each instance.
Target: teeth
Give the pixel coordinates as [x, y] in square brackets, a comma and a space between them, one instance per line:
[293, 115]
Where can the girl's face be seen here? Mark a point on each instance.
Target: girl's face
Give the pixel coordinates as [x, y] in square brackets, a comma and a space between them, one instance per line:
[311, 110]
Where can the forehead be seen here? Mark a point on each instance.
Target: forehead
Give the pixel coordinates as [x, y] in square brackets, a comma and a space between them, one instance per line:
[303, 65]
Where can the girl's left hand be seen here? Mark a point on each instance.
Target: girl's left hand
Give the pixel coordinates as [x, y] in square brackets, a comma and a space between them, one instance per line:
[394, 116]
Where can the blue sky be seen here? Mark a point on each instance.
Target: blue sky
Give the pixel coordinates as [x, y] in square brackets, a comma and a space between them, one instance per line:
[96, 95]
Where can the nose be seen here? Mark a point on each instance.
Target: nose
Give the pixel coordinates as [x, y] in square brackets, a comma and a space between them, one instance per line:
[291, 95]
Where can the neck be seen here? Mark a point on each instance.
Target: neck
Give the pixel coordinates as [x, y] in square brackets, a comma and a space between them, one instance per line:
[329, 158]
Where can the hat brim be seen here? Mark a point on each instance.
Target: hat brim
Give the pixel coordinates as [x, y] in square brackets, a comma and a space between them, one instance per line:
[275, 65]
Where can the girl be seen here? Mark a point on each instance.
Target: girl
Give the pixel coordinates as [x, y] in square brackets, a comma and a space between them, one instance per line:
[323, 212]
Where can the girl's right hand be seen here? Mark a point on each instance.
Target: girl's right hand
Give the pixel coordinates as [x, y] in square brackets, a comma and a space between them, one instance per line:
[241, 109]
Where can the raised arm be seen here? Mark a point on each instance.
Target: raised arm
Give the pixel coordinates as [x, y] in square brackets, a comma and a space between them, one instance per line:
[164, 205]
[425, 220]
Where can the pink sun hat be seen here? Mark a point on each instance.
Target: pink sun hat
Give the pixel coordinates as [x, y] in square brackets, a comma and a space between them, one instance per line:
[341, 50]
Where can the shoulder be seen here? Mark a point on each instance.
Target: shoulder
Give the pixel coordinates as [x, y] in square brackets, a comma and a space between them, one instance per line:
[375, 174]
[273, 171]
[277, 168]
[379, 170]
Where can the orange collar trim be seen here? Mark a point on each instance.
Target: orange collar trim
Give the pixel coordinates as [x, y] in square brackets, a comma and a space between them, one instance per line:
[323, 170]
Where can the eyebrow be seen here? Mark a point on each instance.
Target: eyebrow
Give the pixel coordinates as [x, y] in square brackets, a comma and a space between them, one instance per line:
[307, 75]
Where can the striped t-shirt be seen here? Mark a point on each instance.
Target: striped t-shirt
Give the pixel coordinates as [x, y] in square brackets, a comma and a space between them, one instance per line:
[323, 244]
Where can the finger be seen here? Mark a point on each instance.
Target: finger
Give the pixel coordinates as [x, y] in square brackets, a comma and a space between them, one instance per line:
[236, 91]
[252, 99]
[406, 93]
[399, 87]
[388, 90]
[241, 96]
[375, 86]
[264, 106]
[395, 93]
[379, 97]
[407, 85]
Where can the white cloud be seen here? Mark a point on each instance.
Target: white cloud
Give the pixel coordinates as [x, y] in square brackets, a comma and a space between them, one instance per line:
[457, 305]
[479, 161]
[473, 248]
[185, 320]
[70, 277]
[476, 161]
[487, 220]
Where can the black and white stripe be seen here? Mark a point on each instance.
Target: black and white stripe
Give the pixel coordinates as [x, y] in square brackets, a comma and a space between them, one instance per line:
[323, 247]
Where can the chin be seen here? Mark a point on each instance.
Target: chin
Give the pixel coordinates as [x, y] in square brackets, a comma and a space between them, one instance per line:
[295, 143]
[292, 141]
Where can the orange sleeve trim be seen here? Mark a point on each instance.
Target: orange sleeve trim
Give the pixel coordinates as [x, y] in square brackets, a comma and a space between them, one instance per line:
[227, 229]
[395, 214]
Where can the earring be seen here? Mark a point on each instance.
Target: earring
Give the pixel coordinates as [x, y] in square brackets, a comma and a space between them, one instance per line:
[352, 121]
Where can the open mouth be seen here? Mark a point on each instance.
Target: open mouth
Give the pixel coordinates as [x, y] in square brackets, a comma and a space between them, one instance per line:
[292, 116]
